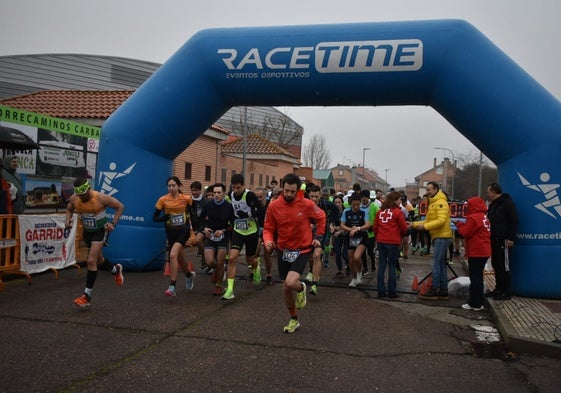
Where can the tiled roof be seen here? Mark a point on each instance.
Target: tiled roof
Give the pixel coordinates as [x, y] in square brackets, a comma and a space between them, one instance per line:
[71, 104]
[256, 144]
[75, 104]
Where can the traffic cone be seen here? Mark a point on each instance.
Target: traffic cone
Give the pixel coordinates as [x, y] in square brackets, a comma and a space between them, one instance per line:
[166, 268]
[425, 286]
[415, 285]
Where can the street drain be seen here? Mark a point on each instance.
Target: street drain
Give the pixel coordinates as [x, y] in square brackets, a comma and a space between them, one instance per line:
[490, 350]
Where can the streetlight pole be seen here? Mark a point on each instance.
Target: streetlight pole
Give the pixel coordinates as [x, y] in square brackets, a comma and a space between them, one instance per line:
[480, 173]
[363, 170]
[386, 170]
[446, 169]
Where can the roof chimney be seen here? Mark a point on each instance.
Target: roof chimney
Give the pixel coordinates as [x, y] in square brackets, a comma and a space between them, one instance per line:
[434, 162]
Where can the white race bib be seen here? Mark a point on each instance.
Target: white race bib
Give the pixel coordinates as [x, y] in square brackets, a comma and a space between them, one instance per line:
[177, 220]
[241, 225]
[290, 255]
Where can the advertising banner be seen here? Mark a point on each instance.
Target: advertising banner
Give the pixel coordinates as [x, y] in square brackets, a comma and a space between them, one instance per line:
[45, 243]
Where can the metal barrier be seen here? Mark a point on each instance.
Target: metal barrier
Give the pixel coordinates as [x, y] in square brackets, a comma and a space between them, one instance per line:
[10, 246]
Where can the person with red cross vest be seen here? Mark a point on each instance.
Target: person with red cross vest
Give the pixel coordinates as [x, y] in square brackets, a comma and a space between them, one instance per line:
[389, 227]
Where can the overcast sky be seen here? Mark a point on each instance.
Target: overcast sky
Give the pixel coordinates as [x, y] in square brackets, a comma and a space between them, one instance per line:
[527, 31]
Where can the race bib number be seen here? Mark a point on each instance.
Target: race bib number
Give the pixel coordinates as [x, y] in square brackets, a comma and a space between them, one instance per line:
[355, 241]
[241, 225]
[290, 255]
[177, 220]
[215, 238]
[89, 222]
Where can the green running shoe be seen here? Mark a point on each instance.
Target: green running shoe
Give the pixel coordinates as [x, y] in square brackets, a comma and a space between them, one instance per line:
[228, 295]
[292, 326]
[257, 275]
[301, 297]
[314, 290]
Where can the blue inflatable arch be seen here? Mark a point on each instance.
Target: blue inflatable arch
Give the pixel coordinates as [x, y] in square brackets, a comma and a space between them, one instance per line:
[447, 64]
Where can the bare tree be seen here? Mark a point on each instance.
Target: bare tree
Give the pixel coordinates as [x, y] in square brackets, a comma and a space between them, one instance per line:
[316, 154]
[467, 176]
[277, 129]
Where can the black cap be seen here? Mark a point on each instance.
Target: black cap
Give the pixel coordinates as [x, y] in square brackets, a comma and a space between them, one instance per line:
[364, 194]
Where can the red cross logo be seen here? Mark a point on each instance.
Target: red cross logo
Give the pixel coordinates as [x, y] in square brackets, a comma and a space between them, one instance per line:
[386, 216]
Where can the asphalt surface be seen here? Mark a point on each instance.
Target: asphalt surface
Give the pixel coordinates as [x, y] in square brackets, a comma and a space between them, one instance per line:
[134, 339]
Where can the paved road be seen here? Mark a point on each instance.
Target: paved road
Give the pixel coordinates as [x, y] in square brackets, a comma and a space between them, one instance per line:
[134, 339]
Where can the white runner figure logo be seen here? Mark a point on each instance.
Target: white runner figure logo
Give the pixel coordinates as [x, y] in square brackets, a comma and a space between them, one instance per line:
[108, 176]
[549, 191]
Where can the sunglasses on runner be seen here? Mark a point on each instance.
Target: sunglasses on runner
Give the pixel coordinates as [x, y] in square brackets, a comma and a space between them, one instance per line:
[81, 190]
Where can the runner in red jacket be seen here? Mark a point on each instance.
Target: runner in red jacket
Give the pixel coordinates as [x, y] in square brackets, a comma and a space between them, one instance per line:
[289, 221]
[476, 231]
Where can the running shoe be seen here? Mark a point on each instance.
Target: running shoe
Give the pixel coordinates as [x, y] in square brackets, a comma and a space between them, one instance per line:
[309, 277]
[301, 297]
[468, 307]
[228, 295]
[217, 291]
[353, 283]
[358, 278]
[257, 275]
[170, 291]
[292, 326]
[118, 272]
[190, 281]
[209, 270]
[270, 280]
[83, 301]
[314, 290]
[339, 275]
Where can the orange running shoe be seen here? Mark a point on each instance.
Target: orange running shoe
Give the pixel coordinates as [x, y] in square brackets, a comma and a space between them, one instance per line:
[83, 301]
[119, 278]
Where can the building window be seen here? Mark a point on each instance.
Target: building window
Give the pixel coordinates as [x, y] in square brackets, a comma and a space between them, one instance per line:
[260, 180]
[188, 170]
[267, 180]
[251, 178]
[340, 172]
[208, 172]
[223, 175]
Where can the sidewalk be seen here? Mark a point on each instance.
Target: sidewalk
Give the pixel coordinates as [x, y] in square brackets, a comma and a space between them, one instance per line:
[527, 325]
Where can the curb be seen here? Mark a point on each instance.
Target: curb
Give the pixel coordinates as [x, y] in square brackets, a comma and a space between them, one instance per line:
[516, 343]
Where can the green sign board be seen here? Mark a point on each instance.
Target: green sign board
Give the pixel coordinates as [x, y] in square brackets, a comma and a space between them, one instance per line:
[38, 120]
